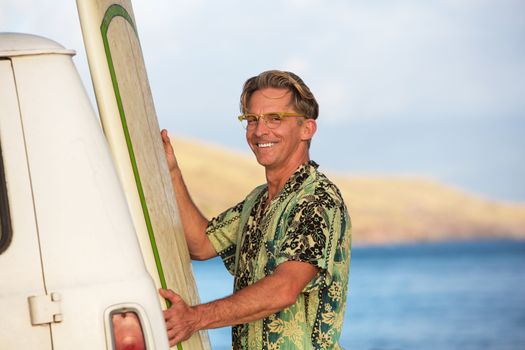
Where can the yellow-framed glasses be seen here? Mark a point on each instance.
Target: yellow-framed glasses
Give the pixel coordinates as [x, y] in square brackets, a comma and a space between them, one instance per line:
[271, 120]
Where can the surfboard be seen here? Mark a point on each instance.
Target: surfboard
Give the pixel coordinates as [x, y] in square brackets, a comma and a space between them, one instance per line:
[131, 127]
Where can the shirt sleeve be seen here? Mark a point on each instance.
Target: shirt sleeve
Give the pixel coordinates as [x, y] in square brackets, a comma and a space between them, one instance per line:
[222, 232]
[315, 229]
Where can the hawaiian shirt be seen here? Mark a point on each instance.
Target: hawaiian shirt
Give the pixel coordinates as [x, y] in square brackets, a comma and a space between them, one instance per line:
[307, 221]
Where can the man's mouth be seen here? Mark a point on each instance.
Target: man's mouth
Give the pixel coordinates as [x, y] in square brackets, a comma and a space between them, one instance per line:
[265, 145]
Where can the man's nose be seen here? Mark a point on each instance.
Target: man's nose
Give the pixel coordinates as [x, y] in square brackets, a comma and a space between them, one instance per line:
[261, 128]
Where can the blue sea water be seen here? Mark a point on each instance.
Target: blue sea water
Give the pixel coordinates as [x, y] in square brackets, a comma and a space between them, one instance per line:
[446, 296]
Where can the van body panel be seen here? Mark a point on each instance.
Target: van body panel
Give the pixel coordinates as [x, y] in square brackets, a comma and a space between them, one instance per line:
[21, 271]
[15, 44]
[76, 190]
[64, 193]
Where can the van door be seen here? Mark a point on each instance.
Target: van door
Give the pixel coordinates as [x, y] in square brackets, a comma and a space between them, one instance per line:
[21, 274]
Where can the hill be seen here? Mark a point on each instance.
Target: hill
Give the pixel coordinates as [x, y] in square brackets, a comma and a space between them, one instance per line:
[383, 209]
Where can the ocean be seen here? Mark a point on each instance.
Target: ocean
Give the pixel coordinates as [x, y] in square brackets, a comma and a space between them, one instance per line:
[439, 296]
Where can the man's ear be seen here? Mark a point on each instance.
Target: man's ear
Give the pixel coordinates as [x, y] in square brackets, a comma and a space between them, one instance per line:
[309, 129]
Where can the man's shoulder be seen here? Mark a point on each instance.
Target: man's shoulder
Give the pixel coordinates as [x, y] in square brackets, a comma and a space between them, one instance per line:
[319, 185]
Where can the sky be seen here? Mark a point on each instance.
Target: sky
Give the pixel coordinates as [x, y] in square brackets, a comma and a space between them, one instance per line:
[432, 89]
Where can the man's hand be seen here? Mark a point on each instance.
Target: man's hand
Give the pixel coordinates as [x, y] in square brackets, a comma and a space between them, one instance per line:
[261, 299]
[168, 150]
[181, 319]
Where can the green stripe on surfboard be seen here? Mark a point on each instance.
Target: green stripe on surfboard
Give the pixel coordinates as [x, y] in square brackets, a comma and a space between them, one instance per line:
[112, 12]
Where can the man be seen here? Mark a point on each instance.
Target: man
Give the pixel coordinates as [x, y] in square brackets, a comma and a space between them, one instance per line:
[287, 243]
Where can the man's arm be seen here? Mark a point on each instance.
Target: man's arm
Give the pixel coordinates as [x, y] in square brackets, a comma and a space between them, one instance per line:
[193, 222]
[261, 299]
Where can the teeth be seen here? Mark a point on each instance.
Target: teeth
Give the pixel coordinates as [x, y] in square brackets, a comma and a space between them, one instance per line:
[265, 145]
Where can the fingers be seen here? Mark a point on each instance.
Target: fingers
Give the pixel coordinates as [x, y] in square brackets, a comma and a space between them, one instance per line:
[178, 318]
[168, 150]
[166, 293]
[177, 303]
[171, 323]
[165, 138]
[164, 135]
[173, 337]
[170, 295]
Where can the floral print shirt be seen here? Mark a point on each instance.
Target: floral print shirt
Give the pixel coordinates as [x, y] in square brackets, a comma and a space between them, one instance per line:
[307, 221]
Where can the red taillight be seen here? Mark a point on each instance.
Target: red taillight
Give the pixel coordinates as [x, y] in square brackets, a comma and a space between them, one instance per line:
[127, 331]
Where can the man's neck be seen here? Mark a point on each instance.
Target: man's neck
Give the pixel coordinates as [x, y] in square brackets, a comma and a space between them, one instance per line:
[277, 178]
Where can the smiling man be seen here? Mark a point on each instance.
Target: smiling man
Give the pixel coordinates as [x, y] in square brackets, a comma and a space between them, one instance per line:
[287, 243]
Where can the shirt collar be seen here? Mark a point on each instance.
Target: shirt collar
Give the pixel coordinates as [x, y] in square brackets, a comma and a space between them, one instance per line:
[298, 178]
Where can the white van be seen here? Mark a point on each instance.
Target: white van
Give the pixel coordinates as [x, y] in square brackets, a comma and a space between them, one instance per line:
[71, 272]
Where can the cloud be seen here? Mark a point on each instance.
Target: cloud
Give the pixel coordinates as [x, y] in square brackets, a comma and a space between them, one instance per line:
[304, 3]
[334, 100]
[367, 60]
[412, 59]
[296, 64]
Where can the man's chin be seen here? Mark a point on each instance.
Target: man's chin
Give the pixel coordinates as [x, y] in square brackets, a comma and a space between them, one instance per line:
[263, 161]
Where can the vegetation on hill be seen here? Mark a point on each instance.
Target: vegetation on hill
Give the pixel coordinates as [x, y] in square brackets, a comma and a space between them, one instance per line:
[383, 209]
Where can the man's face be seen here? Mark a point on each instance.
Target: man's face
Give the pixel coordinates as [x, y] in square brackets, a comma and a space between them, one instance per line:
[284, 146]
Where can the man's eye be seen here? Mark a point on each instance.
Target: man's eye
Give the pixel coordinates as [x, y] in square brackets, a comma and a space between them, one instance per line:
[275, 118]
[251, 119]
